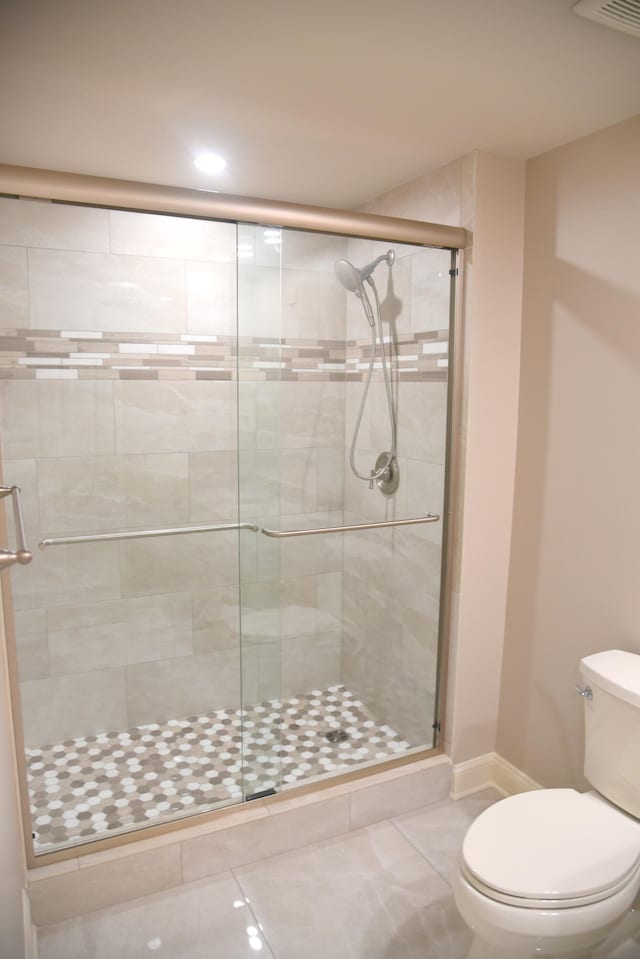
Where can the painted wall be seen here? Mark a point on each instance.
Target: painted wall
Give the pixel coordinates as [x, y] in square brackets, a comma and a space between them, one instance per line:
[575, 556]
[13, 871]
[488, 435]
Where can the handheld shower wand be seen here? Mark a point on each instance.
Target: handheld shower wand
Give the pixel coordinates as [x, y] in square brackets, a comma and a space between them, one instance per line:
[385, 472]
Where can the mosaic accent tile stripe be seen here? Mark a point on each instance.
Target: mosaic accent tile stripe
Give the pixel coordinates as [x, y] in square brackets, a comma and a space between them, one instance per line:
[77, 354]
[84, 789]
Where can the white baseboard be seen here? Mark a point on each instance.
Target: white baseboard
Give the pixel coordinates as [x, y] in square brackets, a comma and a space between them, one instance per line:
[30, 932]
[511, 780]
[486, 772]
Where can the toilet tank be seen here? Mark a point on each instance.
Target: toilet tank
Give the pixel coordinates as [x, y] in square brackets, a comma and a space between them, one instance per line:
[612, 726]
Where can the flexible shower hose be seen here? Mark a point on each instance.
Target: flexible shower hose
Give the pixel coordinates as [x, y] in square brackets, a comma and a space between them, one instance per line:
[375, 322]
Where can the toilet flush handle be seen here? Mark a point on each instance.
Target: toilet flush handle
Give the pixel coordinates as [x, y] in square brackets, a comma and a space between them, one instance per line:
[585, 691]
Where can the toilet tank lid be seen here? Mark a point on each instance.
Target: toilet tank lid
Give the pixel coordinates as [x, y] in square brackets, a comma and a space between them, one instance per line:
[615, 671]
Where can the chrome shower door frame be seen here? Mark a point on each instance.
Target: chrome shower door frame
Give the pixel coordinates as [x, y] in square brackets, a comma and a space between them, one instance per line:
[130, 196]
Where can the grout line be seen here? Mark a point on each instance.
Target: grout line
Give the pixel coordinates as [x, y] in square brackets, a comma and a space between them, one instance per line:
[252, 910]
[419, 851]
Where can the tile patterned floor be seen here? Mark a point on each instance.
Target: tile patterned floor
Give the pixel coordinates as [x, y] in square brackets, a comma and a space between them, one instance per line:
[382, 892]
[84, 788]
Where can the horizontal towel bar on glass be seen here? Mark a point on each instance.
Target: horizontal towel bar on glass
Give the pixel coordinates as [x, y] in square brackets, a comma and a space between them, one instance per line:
[282, 534]
[145, 534]
[276, 533]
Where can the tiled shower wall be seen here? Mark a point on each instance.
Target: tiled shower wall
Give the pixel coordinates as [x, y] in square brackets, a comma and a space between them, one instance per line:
[292, 410]
[119, 410]
[392, 577]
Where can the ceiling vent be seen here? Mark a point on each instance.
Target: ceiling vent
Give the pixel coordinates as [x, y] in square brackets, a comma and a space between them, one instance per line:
[621, 15]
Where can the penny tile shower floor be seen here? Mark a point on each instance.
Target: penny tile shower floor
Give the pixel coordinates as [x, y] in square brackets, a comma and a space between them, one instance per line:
[83, 788]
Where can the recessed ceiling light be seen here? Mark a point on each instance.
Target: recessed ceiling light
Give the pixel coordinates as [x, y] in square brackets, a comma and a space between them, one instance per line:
[210, 163]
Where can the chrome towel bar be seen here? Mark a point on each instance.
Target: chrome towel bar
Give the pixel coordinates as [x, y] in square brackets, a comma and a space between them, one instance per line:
[21, 555]
[176, 531]
[145, 534]
[283, 534]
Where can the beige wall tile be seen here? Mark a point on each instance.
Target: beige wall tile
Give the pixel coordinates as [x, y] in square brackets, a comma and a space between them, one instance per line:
[269, 659]
[53, 225]
[211, 298]
[213, 487]
[397, 303]
[298, 603]
[86, 494]
[329, 601]
[63, 575]
[425, 494]
[259, 483]
[119, 633]
[258, 300]
[311, 251]
[331, 478]
[250, 675]
[33, 656]
[430, 284]
[313, 305]
[56, 418]
[14, 291]
[310, 662]
[375, 803]
[66, 707]
[168, 417]
[234, 847]
[93, 888]
[258, 412]
[100, 291]
[261, 610]
[216, 621]
[182, 238]
[311, 414]
[311, 554]
[166, 689]
[298, 480]
[179, 564]
[421, 415]
[30, 622]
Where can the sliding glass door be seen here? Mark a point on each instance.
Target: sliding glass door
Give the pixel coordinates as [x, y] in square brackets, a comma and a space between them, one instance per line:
[230, 455]
[340, 589]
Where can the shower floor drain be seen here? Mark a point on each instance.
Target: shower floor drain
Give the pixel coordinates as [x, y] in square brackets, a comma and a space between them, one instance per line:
[336, 736]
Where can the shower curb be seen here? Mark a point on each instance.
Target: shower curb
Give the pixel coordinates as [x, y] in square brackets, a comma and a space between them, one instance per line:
[261, 828]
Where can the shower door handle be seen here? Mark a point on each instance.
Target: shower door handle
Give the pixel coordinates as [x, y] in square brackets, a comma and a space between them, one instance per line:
[283, 533]
[21, 554]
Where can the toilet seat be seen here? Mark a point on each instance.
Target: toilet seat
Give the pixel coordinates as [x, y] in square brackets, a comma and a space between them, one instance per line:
[551, 849]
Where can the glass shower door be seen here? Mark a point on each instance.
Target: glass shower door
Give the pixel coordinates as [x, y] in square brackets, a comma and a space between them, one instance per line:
[119, 415]
[220, 607]
[340, 629]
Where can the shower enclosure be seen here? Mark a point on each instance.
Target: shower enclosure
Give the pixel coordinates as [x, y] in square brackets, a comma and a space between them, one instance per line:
[218, 607]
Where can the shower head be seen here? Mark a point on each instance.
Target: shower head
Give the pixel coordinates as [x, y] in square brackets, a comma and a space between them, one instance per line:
[349, 275]
[352, 278]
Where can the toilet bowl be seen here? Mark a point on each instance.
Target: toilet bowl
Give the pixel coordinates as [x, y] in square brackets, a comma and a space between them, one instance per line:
[553, 871]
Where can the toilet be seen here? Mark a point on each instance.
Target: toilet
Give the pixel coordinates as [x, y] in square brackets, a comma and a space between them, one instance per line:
[553, 871]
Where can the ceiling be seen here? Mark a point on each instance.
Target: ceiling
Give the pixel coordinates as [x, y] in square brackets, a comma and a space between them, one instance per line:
[318, 101]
